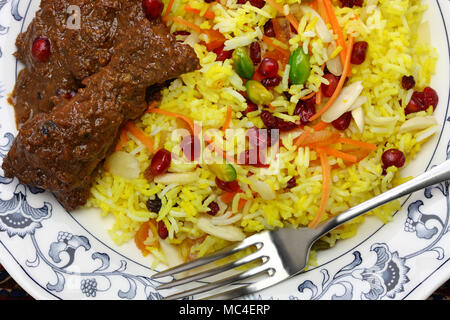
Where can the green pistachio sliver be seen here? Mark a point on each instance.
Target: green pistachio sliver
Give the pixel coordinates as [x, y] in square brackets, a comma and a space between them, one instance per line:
[224, 171]
[243, 64]
[300, 67]
[257, 93]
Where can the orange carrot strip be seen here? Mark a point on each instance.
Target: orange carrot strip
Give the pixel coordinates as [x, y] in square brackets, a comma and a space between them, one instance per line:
[140, 135]
[326, 186]
[299, 140]
[359, 154]
[309, 96]
[338, 154]
[320, 126]
[241, 203]
[340, 84]
[216, 38]
[185, 23]
[292, 19]
[227, 197]
[118, 146]
[361, 144]
[318, 138]
[124, 137]
[208, 14]
[169, 7]
[122, 140]
[319, 94]
[322, 11]
[226, 124]
[336, 29]
[186, 119]
[272, 44]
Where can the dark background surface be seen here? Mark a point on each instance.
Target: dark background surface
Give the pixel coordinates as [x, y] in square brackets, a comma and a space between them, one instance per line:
[10, 290]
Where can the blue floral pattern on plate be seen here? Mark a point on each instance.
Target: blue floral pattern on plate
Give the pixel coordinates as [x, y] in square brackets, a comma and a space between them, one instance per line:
[76, 264]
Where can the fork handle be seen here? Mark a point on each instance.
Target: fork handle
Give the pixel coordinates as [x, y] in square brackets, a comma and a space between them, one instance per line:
[435, 175]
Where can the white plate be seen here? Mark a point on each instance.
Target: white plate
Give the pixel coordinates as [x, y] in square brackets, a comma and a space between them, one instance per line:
[56, 255]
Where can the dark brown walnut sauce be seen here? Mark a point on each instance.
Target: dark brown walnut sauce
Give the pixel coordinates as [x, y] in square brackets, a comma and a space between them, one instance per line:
[75, 53]
[62, 140]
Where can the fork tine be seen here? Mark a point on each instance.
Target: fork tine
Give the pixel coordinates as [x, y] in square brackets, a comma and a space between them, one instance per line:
[254, 256]
[247, 289]
[223, 282]
[249, 242]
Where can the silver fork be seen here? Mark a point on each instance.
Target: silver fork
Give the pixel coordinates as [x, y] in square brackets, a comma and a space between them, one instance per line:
[281, 253]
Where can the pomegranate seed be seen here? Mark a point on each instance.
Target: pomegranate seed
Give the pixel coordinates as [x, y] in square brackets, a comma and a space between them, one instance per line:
[291, 183]
[160, 162]
[393, 157]
[258, 3]
[351, 3]
[343, 122]
[232, 186]
[255, 52]
[152, 8]
[213, 208]
[40, 49]
[162, 230]
[271, 82]
[421, 101]
[328, 90]
[70, 94]
[190, 145]
[268, 119]
[415, 104]
[430, 98]
[154, 205]
[250, 108]
[269, 31]
[268, 68]
[222, 55]
[408, 82]
[359, 52]
[305, 109]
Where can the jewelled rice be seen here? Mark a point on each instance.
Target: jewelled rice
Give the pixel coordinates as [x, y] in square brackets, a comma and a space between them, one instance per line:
[390, 29]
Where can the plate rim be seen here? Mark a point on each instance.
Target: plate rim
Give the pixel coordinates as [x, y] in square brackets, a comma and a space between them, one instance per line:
[432, 278]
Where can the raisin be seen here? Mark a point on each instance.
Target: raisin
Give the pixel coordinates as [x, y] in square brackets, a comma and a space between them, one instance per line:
[154, 205]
